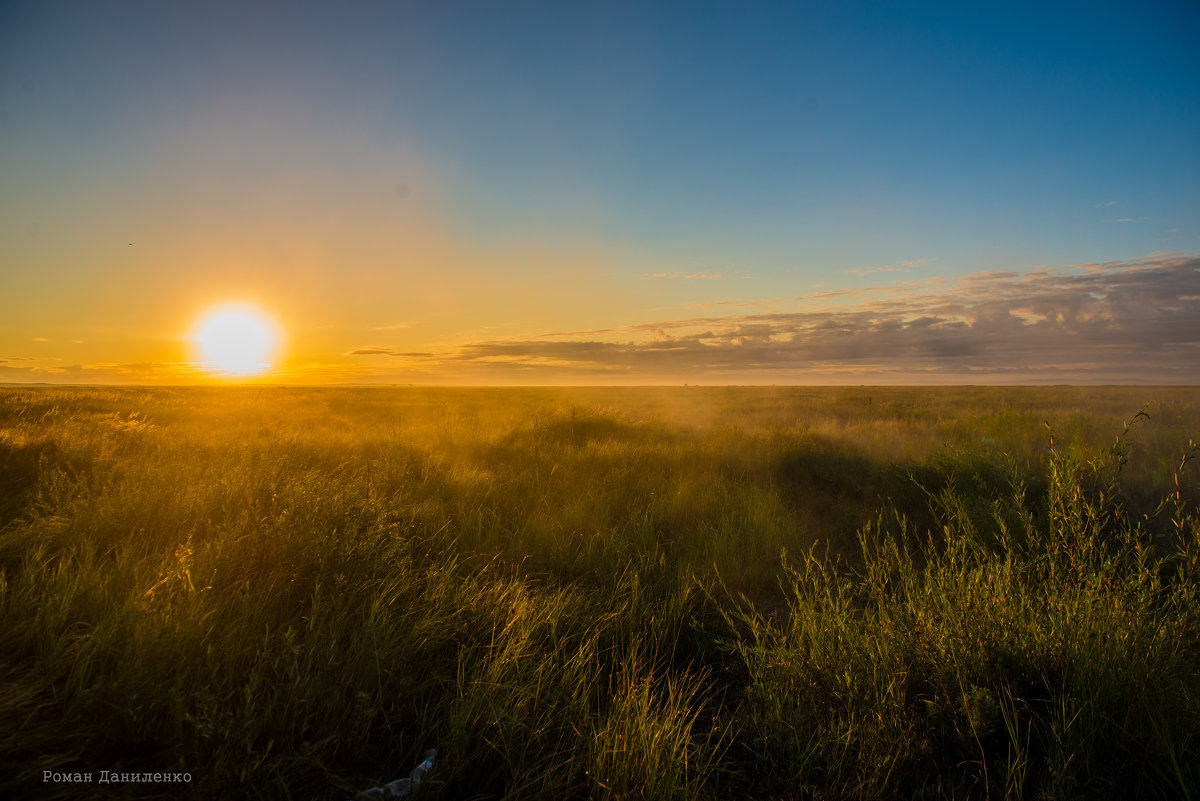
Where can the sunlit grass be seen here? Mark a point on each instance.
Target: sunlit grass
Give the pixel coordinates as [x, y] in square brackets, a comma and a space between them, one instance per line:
[581, 594]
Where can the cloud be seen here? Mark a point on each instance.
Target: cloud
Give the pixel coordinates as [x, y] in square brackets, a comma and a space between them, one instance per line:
[1131, 219]
[102, 373]
[392, 327]
[383, 350]
[1108, 203]
[1114, 322]
[870, 270]
[901, 266]
[703, 276]
[1110, 322]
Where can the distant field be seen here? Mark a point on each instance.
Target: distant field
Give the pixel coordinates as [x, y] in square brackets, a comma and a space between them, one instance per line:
[696, 592]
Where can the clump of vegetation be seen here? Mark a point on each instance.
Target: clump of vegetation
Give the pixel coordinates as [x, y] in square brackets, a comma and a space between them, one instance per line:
[1024, 648]
[579, 593]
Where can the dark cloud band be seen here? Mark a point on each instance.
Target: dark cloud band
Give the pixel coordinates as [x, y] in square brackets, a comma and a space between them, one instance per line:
[1127, 321]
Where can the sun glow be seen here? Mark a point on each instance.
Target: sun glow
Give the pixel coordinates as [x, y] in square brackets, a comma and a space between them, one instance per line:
[235, 340]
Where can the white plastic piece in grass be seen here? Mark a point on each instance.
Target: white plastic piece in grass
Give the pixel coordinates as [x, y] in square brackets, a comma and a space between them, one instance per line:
[400, 788]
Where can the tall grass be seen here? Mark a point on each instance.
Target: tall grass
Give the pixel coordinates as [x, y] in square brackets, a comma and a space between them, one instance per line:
[1041, 652]
[580, 594]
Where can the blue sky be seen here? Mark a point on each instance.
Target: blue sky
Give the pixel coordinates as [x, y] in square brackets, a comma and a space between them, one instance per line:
[429, 177]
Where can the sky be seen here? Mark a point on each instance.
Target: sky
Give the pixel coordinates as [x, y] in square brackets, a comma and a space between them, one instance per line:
[603, 192]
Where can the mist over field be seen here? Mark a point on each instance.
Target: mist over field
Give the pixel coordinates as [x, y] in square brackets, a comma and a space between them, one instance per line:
[687, 592]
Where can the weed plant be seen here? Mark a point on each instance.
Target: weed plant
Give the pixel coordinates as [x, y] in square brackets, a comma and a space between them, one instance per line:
[742, 593]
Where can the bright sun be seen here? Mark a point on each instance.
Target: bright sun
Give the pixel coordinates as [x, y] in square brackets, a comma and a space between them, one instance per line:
[235, 340]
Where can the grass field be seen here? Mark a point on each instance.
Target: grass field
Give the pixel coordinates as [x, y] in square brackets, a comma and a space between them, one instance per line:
[700, 592]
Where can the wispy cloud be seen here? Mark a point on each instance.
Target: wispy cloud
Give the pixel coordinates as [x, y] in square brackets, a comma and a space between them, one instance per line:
[701, 276]
[1131, 219]
[1107, 203]
[891, 268]
[1123, 321]
[383, 350]
[1120, 322]
[902, 266]
[28, 370]
[99, 373]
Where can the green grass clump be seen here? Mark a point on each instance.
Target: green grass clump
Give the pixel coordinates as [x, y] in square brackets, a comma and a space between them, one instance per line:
[579, 593]
[1047, 655]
